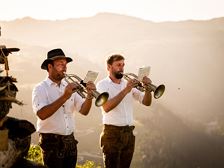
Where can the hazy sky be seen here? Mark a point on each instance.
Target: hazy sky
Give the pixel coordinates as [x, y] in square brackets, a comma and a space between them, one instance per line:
[154, 10]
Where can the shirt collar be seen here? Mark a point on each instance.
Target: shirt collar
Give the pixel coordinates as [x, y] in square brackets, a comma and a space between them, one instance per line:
[110, 81]
[51, 83]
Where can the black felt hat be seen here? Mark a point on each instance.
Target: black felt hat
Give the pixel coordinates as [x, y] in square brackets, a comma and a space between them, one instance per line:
[53, 55]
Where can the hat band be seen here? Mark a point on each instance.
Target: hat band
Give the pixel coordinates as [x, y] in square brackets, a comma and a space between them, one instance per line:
[56, 57]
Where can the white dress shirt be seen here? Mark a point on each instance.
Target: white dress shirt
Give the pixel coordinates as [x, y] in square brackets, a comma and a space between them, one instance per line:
[122, 114]
[62, 121]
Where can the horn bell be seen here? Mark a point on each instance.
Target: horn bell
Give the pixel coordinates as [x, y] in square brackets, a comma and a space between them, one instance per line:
[101, 99]
[159, 91]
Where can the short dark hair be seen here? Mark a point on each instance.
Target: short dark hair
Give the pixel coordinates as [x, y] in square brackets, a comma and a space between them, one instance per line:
[113, 58]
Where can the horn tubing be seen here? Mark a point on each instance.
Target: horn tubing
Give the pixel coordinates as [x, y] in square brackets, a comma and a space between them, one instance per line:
[101, 98]
[158, 90]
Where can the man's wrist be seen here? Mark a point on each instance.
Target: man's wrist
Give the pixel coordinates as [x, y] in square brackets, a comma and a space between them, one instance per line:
[89, 97]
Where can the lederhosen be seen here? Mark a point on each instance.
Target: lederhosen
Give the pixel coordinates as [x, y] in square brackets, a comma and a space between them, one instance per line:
[59, 150]
[117, 143]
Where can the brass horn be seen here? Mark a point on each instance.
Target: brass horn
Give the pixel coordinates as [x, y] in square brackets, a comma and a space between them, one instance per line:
[101, 98]
[158, 90]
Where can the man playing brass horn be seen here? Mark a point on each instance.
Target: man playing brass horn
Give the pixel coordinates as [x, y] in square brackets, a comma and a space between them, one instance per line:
[54, 102]
[117, 139]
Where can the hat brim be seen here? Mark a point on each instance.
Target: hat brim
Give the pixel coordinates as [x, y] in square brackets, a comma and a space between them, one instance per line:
[47, 61]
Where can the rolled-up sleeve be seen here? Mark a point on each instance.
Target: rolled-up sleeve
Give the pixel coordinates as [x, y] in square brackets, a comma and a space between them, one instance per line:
[138, 95]
[78, 101]
[39, 98]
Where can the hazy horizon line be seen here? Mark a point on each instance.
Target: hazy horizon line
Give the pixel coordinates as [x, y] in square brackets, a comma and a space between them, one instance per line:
[108, 13]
